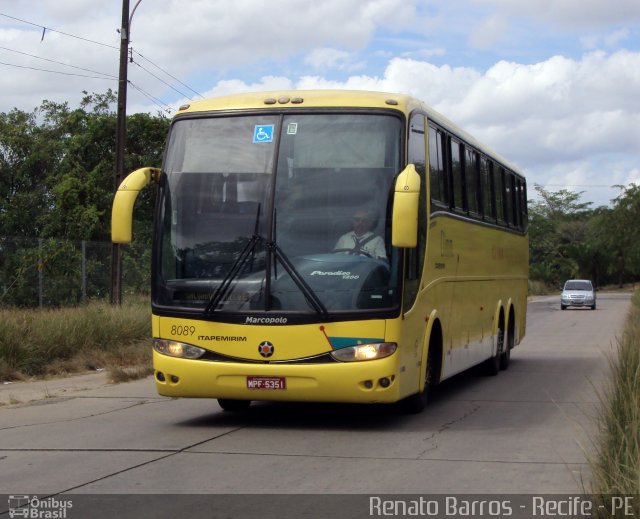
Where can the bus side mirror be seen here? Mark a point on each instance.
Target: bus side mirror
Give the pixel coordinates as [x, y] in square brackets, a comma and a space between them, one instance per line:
[404, 229]
[122, 210]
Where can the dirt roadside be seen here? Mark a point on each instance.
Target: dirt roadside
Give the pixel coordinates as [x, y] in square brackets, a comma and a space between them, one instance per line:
[24, 392]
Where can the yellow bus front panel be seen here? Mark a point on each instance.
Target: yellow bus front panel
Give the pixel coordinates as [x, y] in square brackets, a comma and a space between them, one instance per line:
[373, 381]
[294, 361]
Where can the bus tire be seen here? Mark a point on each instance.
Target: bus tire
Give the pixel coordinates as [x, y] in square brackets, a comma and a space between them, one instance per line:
[228, 404]
[414, 404]
[505, 357]
[492, 365]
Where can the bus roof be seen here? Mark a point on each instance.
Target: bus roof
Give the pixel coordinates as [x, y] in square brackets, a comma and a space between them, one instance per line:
[304, 98]
[300, 99]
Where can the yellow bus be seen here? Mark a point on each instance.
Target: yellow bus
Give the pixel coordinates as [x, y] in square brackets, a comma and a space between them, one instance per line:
[328, 246]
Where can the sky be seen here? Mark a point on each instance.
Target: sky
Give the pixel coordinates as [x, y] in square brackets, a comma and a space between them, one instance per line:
[552, 85]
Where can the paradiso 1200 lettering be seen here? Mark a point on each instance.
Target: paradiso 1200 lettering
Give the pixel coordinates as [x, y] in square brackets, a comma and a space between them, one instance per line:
[343, 274]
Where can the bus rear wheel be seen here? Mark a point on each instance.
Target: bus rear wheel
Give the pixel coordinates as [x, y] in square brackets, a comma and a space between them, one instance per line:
[228, 404]
[505, 356]
[492, 365]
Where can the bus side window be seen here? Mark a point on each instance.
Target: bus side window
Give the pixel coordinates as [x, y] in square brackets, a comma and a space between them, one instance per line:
[509, 199]
[498, 176]
[455, 167]
[471, 180]
[437, 175]
[486, 188]
[515, 204]
[523, 204]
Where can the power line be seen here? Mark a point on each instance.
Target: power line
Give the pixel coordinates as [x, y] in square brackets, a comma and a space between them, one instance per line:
[157, 101]
[167, 73]
[111, 76]
[45, 29]
[159, 79]
[58, 72]
[160, 104]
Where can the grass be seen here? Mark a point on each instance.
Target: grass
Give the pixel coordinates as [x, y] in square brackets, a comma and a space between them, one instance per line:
[41, 343]
[539, 288]
[616, 464]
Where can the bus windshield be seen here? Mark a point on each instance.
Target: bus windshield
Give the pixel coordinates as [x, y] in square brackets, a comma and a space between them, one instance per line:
[279, 213]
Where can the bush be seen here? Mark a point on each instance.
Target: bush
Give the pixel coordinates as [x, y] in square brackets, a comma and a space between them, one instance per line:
[616, 467]
[34, 341]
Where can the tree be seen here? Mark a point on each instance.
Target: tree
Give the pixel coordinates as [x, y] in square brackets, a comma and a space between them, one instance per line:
[560, 237]
[27, 157]
[622, 234]
[568, 239]
[57, 169]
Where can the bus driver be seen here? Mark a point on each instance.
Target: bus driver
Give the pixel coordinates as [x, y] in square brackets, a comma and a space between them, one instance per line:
[361, 240]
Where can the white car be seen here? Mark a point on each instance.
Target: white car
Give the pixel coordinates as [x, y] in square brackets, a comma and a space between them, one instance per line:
[578, 292]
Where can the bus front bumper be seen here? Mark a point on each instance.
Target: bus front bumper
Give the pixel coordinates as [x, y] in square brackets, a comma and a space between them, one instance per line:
[373, 381]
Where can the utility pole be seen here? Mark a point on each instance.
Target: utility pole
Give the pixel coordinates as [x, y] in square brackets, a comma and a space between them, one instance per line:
[121, 134]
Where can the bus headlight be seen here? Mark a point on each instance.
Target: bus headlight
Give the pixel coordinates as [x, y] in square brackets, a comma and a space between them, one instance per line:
[177, 349]
[365, 352]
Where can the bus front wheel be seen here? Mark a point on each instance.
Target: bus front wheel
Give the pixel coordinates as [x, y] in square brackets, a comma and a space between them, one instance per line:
[414, 404]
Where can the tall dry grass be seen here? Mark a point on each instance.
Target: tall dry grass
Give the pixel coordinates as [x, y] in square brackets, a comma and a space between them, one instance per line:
[539, 288]
[36, 343]
[616, 465]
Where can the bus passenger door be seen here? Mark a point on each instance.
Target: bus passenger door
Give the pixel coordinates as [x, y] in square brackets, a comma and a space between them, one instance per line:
[414, 257]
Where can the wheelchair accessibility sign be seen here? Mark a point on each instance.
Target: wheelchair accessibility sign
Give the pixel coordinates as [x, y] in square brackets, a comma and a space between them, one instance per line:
[263, 133]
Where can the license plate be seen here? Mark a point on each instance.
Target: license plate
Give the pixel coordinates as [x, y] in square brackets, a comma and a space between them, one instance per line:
[258, 382]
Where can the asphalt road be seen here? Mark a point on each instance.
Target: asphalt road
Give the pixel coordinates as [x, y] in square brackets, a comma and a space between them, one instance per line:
[526, 430]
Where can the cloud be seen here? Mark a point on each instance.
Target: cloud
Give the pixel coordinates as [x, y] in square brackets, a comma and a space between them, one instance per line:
[198, 38]
[488, 32]
[254, 30]
[572, 13]
[327, 58]
[559, 114]
[566, 122]
[609, 40]
[568, 107]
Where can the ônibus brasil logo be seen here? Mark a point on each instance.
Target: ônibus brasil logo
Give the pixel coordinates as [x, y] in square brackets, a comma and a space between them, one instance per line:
[36, 508]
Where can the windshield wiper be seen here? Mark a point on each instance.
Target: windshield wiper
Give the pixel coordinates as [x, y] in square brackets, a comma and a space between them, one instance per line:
[237, 266]
[304, 287]
[274, 250]
[248, 252]
[223, 289]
